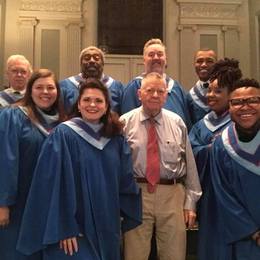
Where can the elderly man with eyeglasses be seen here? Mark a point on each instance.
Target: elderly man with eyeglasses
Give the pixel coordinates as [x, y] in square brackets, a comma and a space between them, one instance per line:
[235, 175]
[92, 66]
[18, 71]
[165, 169]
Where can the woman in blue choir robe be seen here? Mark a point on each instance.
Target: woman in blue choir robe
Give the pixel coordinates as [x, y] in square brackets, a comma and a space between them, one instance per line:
[83, 192]
[224, 73]
[23, 128]
[235, 175]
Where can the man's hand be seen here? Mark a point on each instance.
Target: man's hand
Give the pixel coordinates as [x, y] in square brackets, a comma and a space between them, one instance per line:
[69, 245]
[4, 216]
[189, 218]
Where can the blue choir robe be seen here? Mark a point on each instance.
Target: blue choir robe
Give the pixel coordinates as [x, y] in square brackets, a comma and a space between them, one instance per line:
[197, 102]
[235, 174]
[201, 137]
[83, 184]
[21, 141]
[176, 100]
[70, 91]
[8, 97]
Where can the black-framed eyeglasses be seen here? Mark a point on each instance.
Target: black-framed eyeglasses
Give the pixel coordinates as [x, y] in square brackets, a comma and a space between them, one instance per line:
[239, 102]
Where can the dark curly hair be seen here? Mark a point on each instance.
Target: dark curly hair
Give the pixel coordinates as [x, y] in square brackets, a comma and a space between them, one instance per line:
[226, 71]
[112, 125]
[245, 83]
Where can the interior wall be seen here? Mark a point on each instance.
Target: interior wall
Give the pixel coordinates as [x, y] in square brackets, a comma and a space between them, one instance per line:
[254, 20]
[188, 24]
[2, 24]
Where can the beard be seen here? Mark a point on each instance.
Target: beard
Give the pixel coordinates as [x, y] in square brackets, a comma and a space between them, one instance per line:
[91, 71]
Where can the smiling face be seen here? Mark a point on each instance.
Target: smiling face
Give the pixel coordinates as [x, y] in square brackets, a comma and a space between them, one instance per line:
[203, 62]
[92, 64]
[92, 105]
[44, 92]
[153, 95]
[245, 106]
[217, 98]
[155, 59]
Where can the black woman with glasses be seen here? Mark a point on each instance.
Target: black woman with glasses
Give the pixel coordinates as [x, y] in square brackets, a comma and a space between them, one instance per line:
[235, 174]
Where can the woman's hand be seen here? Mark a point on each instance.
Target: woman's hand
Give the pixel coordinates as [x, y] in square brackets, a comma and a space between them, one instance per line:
[69, 245]
[4, 216]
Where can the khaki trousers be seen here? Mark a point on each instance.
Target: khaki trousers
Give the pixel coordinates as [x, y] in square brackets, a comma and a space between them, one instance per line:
[164, 210]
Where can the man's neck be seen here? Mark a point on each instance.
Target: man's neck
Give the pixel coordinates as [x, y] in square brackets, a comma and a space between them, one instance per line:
[152, 113]
[21, 90]
[247, 135]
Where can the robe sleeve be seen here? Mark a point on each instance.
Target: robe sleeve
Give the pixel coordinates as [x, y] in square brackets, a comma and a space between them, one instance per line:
[200, 148]
[116, 92]
[10, 128]
[179, 103]
[130, 193]
[49, 214]
[237, 221]
[130, 98]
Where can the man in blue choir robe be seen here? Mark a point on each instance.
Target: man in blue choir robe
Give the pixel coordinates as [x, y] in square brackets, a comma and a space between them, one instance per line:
[196, 98]
[18, 71]
[83, 184]
[235, 175]
[155, 61]
[92, 65]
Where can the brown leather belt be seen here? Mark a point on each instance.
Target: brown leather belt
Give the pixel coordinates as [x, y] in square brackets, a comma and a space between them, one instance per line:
[162, 181]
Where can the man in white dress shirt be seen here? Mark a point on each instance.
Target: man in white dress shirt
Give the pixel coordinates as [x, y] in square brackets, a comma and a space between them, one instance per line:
[169, 205]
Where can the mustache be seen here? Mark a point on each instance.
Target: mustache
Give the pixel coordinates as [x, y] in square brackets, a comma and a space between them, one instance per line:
[92, 65]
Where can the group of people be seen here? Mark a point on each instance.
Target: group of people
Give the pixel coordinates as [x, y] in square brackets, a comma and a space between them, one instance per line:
[92, 169]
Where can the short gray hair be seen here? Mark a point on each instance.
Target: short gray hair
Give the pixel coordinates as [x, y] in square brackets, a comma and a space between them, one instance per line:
[19, 57]
[91, 48]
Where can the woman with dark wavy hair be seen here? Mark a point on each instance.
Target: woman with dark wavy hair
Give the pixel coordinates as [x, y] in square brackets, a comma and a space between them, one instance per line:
[23, 129]
[86, 190]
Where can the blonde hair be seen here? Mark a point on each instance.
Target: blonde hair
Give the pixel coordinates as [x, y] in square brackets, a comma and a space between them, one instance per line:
[153, 41]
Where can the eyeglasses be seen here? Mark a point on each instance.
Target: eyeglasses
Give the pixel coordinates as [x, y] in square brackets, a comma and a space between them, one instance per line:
[151, 91]
[18, 71]
[240, 102]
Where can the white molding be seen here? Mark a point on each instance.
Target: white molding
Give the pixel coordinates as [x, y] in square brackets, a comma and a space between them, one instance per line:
[53, 16]
[238, 2]
[51, 5]
[208, 13]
